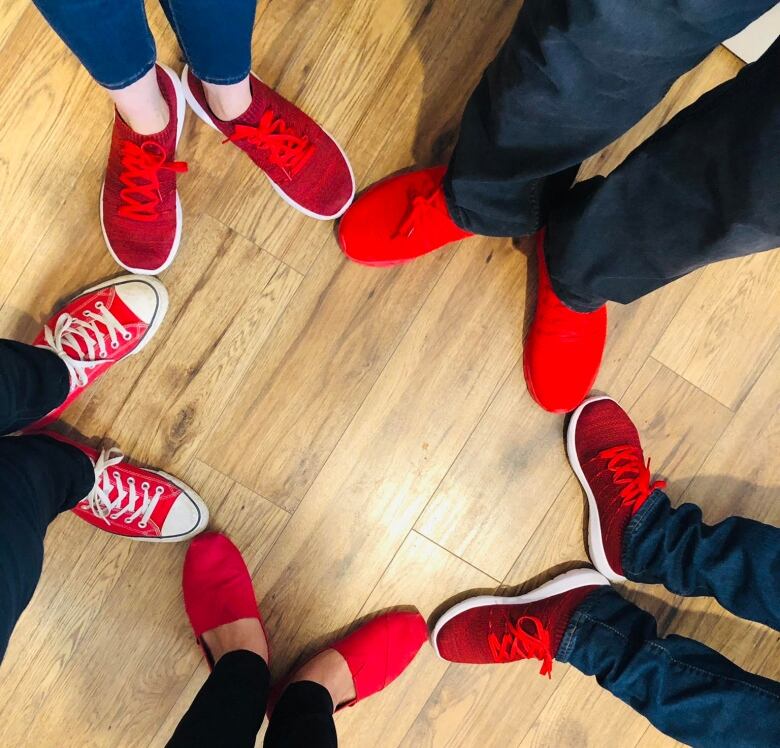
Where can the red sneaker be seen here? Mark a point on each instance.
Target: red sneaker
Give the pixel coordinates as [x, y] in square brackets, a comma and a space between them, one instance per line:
[563, 349]
[139, 207]
[304, 164]
[606, 454]
[217, 587]
[99, 327]
[399, 219]
[138, 503]
[487, 630]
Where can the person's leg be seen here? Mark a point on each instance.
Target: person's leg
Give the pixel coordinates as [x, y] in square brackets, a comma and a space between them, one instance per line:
[571, 77]
[39, 478]
[703, 188]
[303, 718]
[687, 690]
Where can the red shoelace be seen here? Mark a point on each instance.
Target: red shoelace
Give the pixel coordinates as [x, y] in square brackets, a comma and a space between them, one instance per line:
[519, 644]
[287, 150]
[141, 167]
[626, 463]
[421, 207]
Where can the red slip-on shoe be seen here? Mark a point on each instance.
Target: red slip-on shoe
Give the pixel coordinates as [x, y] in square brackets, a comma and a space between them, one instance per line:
[563, 350]
[488, 630]
[217, 587]
[399, 219]
[304, 164]
[101, 326]
[138, 503]
[140, 209]
[604, 449]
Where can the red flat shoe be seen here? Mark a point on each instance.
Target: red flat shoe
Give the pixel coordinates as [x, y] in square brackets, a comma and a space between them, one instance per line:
[563, 350]
[399, 219]
[217, 587]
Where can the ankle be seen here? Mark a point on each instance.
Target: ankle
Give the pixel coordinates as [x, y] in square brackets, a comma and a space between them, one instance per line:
[246, 634]
[228, 101]
[331, 671]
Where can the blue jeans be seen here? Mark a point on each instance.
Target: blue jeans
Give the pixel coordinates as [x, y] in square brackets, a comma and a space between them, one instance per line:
[686, 689]
[112, 39]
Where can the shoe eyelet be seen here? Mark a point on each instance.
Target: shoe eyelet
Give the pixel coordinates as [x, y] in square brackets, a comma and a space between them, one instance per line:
[115, 345]
[142, 525]
[100, 305]
[128, 520]
[145, 484]
[131, 480]
[127, 336]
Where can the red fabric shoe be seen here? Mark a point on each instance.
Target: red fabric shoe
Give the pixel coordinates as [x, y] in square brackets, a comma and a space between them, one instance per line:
[399, 219]
[101, 326]
[139, 207]
[138, 503]
[606, 454]
[303, 163]
[488, 630]
[217, 587]
[563, 349]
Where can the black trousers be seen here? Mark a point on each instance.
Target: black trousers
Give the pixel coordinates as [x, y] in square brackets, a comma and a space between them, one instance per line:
[574, 75]
[229, 709]
[39, 477]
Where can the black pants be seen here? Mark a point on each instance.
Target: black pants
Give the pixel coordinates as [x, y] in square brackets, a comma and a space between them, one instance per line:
[229, 709]
[573, 76]
[39, 477]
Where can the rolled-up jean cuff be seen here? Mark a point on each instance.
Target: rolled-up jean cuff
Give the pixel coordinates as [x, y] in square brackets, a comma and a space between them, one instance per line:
[636, 526]
[569, 640]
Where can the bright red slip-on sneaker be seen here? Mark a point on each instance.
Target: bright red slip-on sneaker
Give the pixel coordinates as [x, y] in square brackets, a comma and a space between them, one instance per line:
[399, 219]
[140, 209]
[604, 449]
[489, 630]
[563, 349]
[217, 587]
[101, 326]
[304, 164]
[138, 503]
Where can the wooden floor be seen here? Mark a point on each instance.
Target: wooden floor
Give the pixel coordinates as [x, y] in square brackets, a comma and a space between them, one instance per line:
[364, 435]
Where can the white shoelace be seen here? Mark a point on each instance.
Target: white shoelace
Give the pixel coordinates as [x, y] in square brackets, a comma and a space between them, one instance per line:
[84, 336]
[126, 501]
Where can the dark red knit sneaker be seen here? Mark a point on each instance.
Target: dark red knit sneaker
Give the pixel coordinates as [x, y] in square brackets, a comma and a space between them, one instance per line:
[563, 349]
[304, 164]
[399, 219]
[487, 630]
[139, 206]
[606, 454]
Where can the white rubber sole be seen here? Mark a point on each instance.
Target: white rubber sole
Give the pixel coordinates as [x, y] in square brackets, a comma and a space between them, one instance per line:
[181, 110]
[162, 303]
[202, 114]
[595, 538]
[571, 580]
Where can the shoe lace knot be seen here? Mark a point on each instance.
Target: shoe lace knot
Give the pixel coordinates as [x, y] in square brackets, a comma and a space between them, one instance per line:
[111, 498]
[626, 463]
[286, 149]
[83, 342]
[141, 167]
[421, 208]
[518, 643]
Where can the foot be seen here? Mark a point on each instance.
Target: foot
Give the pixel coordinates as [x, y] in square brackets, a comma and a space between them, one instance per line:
[220, 600]
[138, 503]
[606, 454]
[488, 630]
[305, 165]
[367, 660]
[139, 206]
[399, 219]
[563, 349]
[100, 327]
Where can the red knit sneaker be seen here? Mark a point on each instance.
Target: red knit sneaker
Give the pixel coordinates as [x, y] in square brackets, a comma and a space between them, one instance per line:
[138, 503]
[399, 219]
[303, 163]
[563, 349]
[606, 454]
[139, 207]
[217, 587]
[101, 326]
[487, 630]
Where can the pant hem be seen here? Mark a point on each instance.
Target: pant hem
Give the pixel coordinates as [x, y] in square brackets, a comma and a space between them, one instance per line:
[635, 526]
[134, 78]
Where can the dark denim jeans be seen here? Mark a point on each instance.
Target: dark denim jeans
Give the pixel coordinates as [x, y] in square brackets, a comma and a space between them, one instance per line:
[686, 689]
[112, 39]
[574, 75]
[39, 477]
